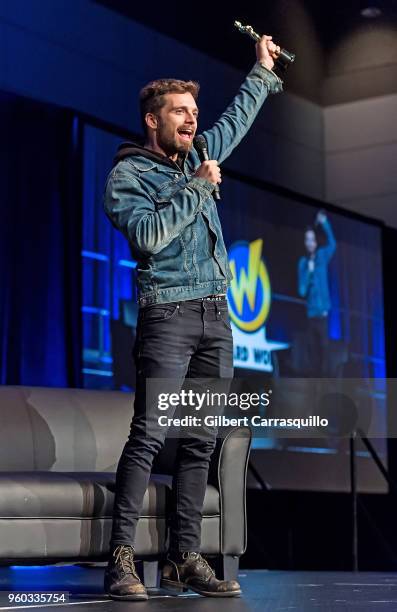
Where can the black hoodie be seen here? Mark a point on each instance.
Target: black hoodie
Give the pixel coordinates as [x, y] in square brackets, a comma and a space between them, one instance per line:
[131, 148]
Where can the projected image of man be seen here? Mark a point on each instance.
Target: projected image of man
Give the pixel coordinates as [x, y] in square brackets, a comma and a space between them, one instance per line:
[313, 285]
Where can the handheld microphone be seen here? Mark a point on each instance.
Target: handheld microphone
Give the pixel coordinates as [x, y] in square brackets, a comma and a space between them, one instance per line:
[200, 144]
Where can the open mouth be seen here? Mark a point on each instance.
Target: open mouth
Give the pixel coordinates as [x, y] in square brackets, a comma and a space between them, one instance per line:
[186, 134]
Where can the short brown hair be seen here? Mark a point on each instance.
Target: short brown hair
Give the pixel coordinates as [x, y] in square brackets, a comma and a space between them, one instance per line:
[151, 97]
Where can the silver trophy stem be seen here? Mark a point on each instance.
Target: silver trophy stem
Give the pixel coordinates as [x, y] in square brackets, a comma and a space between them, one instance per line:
[283, 57]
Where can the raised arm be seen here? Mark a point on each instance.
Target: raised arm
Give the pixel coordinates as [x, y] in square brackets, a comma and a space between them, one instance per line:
[330, 248]
[235, 122]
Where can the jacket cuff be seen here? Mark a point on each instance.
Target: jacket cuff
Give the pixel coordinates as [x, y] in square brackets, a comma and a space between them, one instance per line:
[272, 80]
[204, 187]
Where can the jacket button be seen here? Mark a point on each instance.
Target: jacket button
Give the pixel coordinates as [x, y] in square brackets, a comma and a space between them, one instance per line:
[218, 287]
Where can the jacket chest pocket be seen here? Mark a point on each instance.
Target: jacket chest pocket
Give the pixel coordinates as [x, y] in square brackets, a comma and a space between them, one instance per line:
[163, 193]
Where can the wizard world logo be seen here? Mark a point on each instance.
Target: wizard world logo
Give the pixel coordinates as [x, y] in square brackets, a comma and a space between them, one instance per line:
[249, 299]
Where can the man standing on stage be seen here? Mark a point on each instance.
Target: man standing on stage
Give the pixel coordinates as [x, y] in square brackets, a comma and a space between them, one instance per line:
[160, 197]
[313, 286]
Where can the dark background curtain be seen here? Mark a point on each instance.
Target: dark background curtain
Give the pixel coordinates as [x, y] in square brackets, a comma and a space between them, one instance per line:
[40, 244]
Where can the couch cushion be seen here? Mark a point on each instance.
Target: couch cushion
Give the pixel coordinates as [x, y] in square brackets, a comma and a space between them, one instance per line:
[211, 502]
[81, 494]
[63, 429]
[69, 494]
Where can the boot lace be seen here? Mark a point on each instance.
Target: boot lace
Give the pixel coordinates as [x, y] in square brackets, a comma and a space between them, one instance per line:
[125, 556]
[200, 560]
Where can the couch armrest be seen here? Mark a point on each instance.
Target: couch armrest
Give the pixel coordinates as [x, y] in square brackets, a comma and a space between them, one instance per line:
[229, 474]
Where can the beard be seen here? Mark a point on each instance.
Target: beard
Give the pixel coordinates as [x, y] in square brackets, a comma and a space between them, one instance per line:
[170, 143]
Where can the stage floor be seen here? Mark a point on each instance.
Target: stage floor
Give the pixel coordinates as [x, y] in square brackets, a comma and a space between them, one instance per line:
[263, 591]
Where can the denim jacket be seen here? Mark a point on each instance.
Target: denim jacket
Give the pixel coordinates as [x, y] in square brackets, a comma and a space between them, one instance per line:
[169, 216]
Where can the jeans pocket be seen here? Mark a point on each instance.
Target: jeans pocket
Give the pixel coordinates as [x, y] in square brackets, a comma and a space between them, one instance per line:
[160, 312]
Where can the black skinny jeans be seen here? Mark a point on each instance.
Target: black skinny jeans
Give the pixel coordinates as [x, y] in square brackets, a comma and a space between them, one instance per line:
[318, 346]
[176, 340]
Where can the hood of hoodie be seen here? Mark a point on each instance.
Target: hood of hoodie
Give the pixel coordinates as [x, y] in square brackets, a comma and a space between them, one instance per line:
[126, 149]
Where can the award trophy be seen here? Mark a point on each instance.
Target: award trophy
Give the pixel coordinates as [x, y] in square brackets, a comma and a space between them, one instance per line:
[282, 57]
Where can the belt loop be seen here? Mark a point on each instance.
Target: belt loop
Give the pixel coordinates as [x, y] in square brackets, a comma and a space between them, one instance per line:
[180, 307]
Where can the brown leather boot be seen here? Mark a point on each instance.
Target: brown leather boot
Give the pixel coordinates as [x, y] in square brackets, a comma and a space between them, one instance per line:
[195, 574]
[121, 580]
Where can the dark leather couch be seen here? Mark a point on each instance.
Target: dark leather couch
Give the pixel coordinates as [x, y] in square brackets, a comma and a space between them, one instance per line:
[59, 450]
